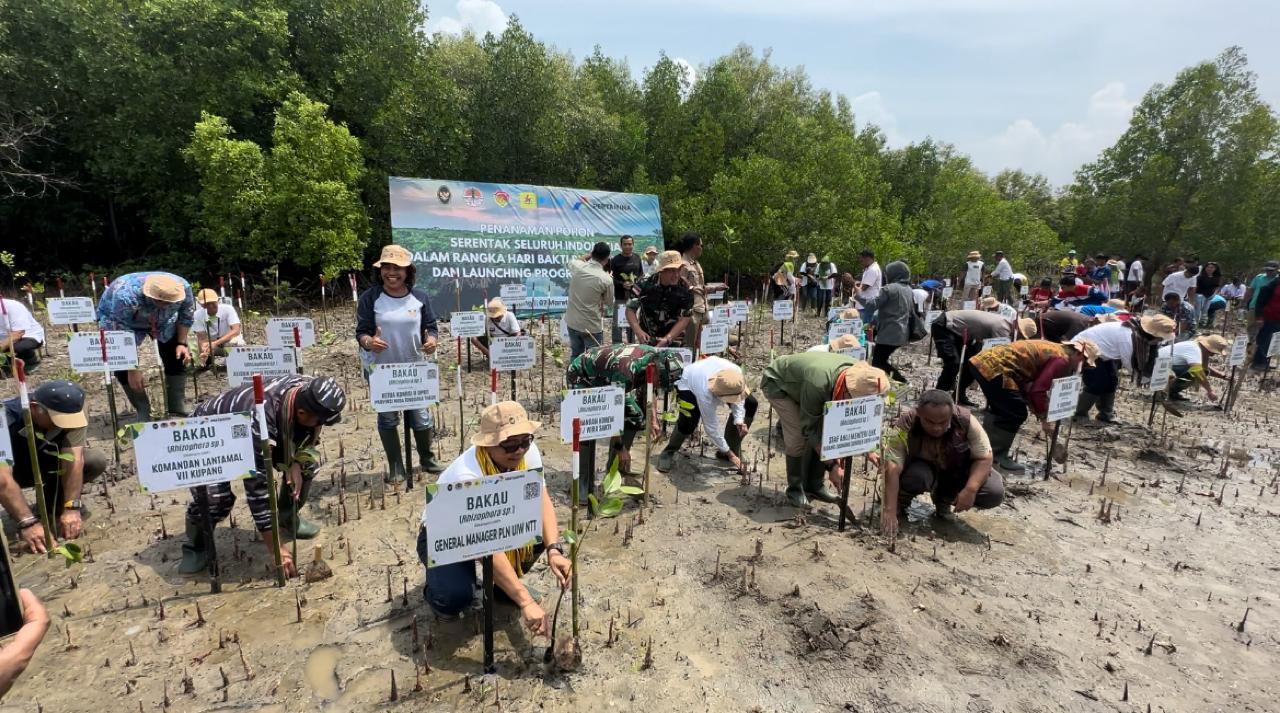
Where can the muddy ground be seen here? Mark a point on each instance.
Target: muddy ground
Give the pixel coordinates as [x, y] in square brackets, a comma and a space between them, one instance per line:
[1119, 585]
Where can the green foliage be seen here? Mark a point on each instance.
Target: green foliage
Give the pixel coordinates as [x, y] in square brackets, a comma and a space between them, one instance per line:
[611, 489]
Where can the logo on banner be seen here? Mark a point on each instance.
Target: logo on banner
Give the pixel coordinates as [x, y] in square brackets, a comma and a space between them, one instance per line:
[528, 199]
[582, 200]
[473, 196]
[501, 198]
[444, 194]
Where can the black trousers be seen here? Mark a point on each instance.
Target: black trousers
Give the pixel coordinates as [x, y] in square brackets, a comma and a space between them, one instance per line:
[1007, 407]
[880, 354]
[26, 349]
[690, 418]
[920, 476]
[1102, 379]
[949, 346]
[173, 366]
[95, 464]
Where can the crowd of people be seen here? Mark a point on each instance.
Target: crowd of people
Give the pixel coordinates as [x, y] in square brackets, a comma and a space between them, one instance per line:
[1006, 336]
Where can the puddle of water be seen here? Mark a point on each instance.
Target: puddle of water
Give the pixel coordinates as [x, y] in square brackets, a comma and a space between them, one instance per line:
[321, 671]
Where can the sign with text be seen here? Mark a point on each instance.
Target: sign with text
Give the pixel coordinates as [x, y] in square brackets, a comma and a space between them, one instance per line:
[739, 311]
[476, 518]
[994, 342]
[85, 351]
[721, 314]
[947, 292]
[620, 316]
[599, 412]
[70, 310]
[1007, 311]
[854, 352]
[280, 331]
[191, 452]
[6, 448]
[513, 295]
[1064, 397]
[467, 324]
[851, 426]
[686, 355]
[841, 327]
[969, 304]
[931, 316]
[404, 387]
[715, 338]
[512, 353]
[271, 362]
[783, 309]
[1160, 371]
[1239, 347]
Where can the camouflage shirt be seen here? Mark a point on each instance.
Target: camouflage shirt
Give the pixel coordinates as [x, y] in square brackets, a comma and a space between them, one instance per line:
[659, 306]
[624, 365]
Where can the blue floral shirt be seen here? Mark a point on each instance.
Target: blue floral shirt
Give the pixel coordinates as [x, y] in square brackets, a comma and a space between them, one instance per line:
[124, 307]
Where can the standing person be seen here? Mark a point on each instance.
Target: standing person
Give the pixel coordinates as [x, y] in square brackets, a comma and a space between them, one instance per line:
[799, 386]
[500, 323]
[395, 324]
[949, 332]
[650, 262]
[1207, 283]
[1267, 312]
[1137, 273]
[1120, 344]
[627, 268]
[504, 444]
[1002, 275]
[868, 286]
[21, 335]
[704, 385]
[660, 312]
[216, 327]
[1182, 282]
[1069, 263]
[57, 413]
[893, 308]
[942, 450]
[1269, 273]
[826, 284]
[1191, 365]
[1116, 265]
[690, 249]
[812, 289]
[590, 289]
[297, 408]
[1018, 376]
[972, 276]
[157, 305]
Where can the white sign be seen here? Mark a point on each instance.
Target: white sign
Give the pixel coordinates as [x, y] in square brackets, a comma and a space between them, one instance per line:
[280, 331]
[854, 352]
[969, 304]
[841, 327]
[271, 362]
[715, 338]
[931, 316]
[620, 316]
[6, 448]
[1023, 290]
[783, 309]
[1007, 311]
[225, 300]
[85, 351]
[476, 518]
[715, 296]
[1273, 349]
[1063, 397]
[1160, 371]
[739, 311]
[986, 290]
[512, 353]
[947, 291]
[70, 310]
[851, 427]
[467, 324]
[406, 386]
[193, 451]
[1238, 349]
[947, 282]
[835, 312]
[513, 295]
[599, 411]
[548, 303]
[686, 355]
[994, 342]
[721, 314]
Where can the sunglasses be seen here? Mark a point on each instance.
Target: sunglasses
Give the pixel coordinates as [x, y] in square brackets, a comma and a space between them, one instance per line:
[516, 446]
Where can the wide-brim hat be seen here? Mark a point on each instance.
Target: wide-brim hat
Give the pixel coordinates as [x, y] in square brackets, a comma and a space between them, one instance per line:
[1117, 303]
[164, 288]
[844, 341]
[1213, 343]
[1158, 325]
[973, 255]
[501, 421]
[1027, 328]
[990, 303]
[812, 259]
[792, 253]
[850, 314]
[862, 379]
[1087, 348]
[728, 386]
[651, 250]
[395, 255]
[670, 260]
[495, 308]
[206, 296]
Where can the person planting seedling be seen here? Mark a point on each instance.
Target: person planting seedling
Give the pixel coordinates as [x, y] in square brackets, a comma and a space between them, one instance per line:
[157, 305]
[217, 326]
[504, 444]
[297, 409]
[702, 388]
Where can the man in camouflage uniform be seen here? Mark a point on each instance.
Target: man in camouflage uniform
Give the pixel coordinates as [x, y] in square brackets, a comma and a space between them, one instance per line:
[663, 303]
[625, 365]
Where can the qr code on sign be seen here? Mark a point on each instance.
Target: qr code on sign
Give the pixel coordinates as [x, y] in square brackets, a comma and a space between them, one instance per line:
[240, 430]
[532, 491]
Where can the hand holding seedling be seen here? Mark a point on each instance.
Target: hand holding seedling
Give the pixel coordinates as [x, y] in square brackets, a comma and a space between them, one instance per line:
[183, 352]
[286, 559]
[72, 527]
[561, 567]
[964, 500]
[535, 618]
[836, 476]
[293, 477]
[15, 657]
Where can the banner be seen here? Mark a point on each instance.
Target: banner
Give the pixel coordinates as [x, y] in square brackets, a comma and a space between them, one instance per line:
[484, 235]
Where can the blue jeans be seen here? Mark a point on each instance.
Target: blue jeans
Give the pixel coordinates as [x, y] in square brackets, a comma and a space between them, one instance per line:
[579, 342]
[1265, 333]
[419, 420]
[451, 588]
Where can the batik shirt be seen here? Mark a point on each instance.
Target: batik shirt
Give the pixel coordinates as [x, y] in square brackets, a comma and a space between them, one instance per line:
[624, 365]
[124, 307]
[659, 306]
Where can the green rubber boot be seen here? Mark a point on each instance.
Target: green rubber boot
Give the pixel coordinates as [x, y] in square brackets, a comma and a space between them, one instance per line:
[815, 481]
[390, 438]
[195, 552]
[1001, 442]
[666, 460]
[291, 521]
[795, 481]
[139, 400]
[175, 394]
[1107, 408]
[422, 439]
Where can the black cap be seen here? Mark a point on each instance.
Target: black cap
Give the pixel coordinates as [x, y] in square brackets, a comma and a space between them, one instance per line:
[324, 398]
[63, 401]
[600, 251]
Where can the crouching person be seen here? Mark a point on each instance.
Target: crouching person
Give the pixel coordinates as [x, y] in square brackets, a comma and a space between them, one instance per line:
[297, 409]
[504, 444]
[704, 385]
[940, 449]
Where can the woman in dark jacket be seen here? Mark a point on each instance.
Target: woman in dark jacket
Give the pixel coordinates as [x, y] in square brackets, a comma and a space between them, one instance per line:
[893, 308]
[1207, 285]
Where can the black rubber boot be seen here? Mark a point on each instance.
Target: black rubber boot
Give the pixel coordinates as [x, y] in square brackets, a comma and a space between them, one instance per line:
[195, 552]
[1107, 408]
[815, 481]
[1001, 442]
[140, 401]
[1085, 405]
[666, 460]
[390, 438]
[422, 439]
[301, 528]
[175, 394]
[795, 481]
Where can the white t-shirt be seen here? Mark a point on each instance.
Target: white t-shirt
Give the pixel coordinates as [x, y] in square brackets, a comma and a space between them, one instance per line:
[973, 272]
[221, 323]
[1135, 271]
[22, 321]
[1114, 340]
[921, 297]
[696, 379]
[1003, 271]
[1179, 282]
[505, 326]
[872, 280]
[1184, 353]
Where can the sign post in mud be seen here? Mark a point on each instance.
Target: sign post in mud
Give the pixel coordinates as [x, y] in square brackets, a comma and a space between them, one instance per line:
[512, 354]
[467, 325]
[406, 387]
[597, 413]
[1235, 360]
[106, 352]
[1062, 404]
[195, 453]
[1160, 371]
[783, 312]
[850, 427]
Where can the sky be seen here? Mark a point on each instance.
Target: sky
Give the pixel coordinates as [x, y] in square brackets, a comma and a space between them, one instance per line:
[1040, 85]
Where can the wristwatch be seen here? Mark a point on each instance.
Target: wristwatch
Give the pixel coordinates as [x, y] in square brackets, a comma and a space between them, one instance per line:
[71, 504]
[558, 547]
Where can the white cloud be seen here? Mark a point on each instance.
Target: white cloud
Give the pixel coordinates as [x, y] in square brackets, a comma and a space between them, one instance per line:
[870, 108]
[1058, 153]
[479, 16]
[690, 72]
